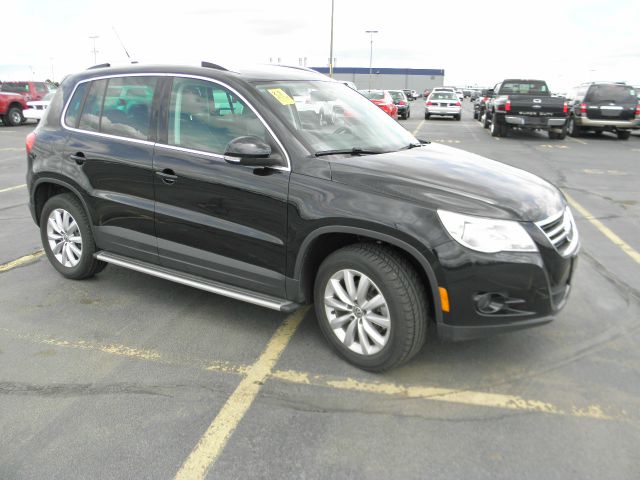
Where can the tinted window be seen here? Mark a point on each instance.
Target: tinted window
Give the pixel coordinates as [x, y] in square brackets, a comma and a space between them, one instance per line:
[611, 93]
[524, 88]
[206, 116]
[90, 118]
[127, 107]
[397, 95]
[15, 87]
[444, 96]
[41, 88]
[73, 110]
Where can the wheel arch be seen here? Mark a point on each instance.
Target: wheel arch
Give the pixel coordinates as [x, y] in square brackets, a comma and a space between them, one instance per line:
[46, 187]
[325, 240]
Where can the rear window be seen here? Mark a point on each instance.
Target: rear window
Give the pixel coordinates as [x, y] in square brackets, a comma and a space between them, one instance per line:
[524, 88]
[443, 96]
[611, 93]
[397, 95]
[15, 87]
[373, 95]
[73, 109]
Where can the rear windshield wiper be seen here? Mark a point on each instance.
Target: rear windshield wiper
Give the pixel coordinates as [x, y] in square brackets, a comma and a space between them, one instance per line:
[348, 151]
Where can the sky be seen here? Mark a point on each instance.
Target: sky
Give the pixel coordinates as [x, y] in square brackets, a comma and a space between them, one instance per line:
[479, 42]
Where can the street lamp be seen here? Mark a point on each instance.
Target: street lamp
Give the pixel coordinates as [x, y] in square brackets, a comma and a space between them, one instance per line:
[371, 32]
[95, 52]
[331, 43]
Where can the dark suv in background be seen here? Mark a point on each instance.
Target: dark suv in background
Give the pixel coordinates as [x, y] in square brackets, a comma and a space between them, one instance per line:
[214, 179]
[603, 106]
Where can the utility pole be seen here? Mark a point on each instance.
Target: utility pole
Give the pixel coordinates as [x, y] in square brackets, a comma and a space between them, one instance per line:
[371, 32]
[331, 43]
[95, 52]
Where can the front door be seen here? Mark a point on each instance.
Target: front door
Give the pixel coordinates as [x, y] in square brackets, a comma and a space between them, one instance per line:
[214, 219]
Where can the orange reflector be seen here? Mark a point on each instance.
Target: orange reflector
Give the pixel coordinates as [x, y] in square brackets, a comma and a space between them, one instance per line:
[444, 299]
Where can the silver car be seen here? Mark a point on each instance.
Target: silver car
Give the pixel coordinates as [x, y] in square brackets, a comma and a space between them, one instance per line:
[444, 104]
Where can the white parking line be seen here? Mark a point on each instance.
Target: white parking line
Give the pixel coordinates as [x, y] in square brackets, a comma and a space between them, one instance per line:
[8, 189]
[577, 141]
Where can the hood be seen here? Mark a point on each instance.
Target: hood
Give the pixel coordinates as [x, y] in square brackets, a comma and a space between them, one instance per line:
[452, 179]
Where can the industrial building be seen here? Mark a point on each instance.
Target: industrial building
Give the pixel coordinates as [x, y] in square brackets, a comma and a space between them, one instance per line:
[389, 78]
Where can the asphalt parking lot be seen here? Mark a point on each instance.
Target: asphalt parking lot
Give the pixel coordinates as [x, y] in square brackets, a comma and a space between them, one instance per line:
[129, 376]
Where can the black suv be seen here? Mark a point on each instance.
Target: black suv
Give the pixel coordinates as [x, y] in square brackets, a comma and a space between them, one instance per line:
[603, 106]
[225, 181]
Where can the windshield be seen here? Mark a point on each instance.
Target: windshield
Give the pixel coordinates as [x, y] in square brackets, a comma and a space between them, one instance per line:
[14, 87]
[524, 88]
[611, 93]
[331, 116]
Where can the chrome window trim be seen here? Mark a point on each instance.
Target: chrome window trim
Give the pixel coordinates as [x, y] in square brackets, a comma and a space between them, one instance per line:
[286, 168]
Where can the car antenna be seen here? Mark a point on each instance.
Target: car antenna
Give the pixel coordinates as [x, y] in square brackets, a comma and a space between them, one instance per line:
[122, 43]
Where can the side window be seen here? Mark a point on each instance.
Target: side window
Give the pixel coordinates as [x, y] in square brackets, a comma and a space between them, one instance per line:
[41, 88]
[90, 118]
[73, 110]
[206, 116]
[127, 107]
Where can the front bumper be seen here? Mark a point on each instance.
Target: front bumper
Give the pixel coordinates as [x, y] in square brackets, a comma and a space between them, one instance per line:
[586, 122]
[33, 114]
[532, 287]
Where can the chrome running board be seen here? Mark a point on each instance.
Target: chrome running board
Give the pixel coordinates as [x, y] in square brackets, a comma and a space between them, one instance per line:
[207, 285]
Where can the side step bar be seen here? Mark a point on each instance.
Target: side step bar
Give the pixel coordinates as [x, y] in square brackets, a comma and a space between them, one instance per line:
[237, 293]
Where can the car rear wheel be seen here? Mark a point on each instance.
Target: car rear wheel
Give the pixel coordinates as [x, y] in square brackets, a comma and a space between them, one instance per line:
[623, 134]
[14, 117]
[457, 117]
[371, 306]
[67, 238]
[427, 116]
[572, 129]
[495, 128]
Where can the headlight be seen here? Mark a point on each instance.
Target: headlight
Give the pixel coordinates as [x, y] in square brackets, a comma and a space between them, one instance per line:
[487, 234]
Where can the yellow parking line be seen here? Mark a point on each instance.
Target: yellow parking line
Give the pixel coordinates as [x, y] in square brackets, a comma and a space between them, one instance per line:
[465, 397]
[21, 261]
[215, 438]
[12, 188]
[415, 132]
[624, 246]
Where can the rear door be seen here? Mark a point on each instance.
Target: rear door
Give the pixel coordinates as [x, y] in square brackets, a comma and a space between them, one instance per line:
[214, 219]
[109, 154]
[611, 102]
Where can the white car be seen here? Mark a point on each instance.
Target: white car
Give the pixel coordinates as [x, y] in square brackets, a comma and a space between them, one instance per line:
[443, 103]
[443, 89]
[36, 109]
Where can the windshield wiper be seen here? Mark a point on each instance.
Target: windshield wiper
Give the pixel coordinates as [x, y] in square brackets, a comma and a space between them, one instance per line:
[349, 151]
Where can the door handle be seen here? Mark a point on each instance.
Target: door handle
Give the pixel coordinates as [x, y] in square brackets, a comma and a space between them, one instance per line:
[168, 176]
[79, 157]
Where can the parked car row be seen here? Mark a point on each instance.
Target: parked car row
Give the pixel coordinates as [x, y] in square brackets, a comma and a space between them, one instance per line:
[20, 101]
[529, 105]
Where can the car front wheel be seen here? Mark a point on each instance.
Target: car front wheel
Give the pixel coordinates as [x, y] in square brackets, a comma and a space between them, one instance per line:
[14, 117]
[371, 306]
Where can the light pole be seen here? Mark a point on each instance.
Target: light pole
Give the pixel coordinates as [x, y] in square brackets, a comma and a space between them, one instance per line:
[371, 32]
[331, 43]
[95, 52]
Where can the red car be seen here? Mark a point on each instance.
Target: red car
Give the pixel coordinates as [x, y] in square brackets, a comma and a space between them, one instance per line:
[383, 99]
[11, 106]
[426, 92]
[29, 90]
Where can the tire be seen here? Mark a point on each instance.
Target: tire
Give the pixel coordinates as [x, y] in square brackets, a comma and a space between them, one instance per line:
[475, 115]
[427, 116]
[557, 135]
[572, 129]
[495, 128]
[408, 114]
[76, 267]
[405, 306]
[623, 134]
[457, 117]
[485, 120]
[597, 133]
[13, 117]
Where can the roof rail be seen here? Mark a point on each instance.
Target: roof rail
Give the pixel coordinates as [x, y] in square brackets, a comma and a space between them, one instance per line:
[101, 65]
[213, 65]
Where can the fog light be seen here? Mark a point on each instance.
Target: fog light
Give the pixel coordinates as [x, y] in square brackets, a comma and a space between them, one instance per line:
[490, 303]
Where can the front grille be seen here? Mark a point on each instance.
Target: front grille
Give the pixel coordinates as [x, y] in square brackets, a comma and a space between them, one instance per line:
[561, 231]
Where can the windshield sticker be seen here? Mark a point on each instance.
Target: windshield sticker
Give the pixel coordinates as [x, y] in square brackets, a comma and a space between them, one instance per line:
[281, 96]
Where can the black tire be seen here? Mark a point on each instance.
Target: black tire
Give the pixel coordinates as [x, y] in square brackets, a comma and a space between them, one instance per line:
[495, 128]
[403, 291]
[427, 116]
[475, 115]
[457, 117]
[13, 117]
[485, 120]
[87, 266]
[553, 135]
[623, 134]
[408, 114]
[572, 129]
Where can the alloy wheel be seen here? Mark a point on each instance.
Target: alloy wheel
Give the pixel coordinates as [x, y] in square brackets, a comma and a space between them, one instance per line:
[65, 239]
[357, 312]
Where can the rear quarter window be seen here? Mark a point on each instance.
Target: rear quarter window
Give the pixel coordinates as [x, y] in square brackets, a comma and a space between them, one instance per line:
[73, 109]
[90, 117]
